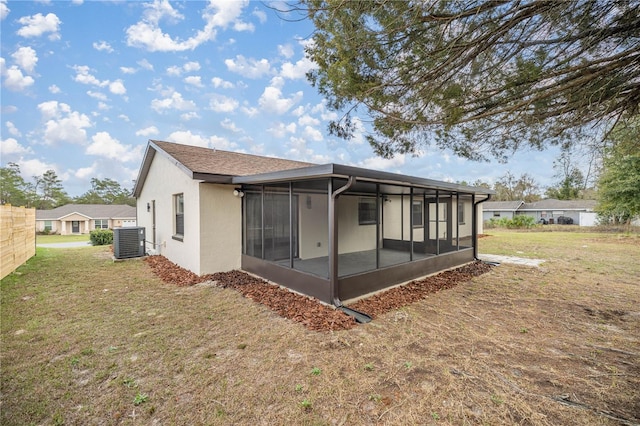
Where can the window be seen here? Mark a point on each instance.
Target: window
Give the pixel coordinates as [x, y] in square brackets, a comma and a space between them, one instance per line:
[178, 206]
[367, 211]
[48, 226]
[102, 223]
[543, 214]
[416, 214]
[460, 213]
[496, 214]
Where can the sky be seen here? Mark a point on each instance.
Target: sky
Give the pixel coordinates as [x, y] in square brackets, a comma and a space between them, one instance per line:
[85, 85]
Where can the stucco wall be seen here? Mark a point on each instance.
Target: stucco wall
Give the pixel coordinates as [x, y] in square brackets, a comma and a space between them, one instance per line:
[220, 229]
[163, 181]
[352, 236]
[314, 227]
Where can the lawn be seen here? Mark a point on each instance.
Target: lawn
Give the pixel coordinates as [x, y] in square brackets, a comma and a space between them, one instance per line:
[89, 341]
[49, 239]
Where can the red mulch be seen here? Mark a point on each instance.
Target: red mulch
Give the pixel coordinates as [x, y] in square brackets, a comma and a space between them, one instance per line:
[309, 312]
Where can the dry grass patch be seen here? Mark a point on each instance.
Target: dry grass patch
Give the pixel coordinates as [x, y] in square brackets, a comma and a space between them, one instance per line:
[89, 341]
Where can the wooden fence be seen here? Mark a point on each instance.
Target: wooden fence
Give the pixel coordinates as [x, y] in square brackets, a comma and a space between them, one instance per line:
[17, 237]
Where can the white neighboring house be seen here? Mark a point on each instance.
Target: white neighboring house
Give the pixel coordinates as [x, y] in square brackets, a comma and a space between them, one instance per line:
[328, 231]
[580, 211]
[83, 218]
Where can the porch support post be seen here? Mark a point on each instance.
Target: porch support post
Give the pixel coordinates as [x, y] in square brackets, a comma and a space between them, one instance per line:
[262, 221]
[474, 226]
[378, 225]
[411, 224]
[291, 225]
[334, 291]
[437, 222]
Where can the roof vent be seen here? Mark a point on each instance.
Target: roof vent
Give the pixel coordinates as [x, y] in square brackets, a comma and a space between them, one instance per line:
[128, 242]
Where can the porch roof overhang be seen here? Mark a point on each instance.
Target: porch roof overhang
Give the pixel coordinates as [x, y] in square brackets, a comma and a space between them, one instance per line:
[394, 180]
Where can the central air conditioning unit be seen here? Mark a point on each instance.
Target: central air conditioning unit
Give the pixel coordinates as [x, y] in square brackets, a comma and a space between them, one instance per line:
[128, 242]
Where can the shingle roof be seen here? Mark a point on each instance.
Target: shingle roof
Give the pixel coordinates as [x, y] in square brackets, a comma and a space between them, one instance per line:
[217, 162]
[93, 211]
[553, 204]
[501, 205]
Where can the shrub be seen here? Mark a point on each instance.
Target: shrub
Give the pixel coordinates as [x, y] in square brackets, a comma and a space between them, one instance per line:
[101, 237]
[519, 221]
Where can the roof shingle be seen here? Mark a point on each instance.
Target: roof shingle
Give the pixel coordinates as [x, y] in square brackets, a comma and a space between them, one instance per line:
[93, 211]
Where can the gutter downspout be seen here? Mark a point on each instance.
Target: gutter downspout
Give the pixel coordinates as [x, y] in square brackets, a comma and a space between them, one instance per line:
[333, 242]
[475, 225]
[333, 255]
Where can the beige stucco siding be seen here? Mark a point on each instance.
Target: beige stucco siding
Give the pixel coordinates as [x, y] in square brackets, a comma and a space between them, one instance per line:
[162, 183]
[314, 228]
[353, 237]
[220, 228]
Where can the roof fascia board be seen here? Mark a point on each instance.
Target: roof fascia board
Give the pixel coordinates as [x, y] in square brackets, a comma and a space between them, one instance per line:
[338, 170]
[149, 154]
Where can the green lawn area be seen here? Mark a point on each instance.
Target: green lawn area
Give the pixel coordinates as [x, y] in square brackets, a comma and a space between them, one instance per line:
[49, 239]
[86, 340]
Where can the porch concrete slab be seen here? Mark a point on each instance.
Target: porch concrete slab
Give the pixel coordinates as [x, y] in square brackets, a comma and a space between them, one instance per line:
[511, 259]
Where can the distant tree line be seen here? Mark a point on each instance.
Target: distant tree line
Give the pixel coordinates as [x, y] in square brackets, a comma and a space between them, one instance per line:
[47, 192]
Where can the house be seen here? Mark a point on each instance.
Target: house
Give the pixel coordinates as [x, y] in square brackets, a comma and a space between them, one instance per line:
[329, 231]
[500, 209]
[580, 211]
[83, 218]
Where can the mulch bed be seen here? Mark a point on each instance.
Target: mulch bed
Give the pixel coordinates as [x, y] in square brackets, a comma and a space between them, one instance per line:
[307, 311]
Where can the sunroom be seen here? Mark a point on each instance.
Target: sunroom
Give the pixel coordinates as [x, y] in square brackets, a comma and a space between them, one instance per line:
[338, 233]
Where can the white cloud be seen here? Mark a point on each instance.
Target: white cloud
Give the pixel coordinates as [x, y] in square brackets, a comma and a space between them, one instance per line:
[230, 125]
[298, 70]
[271, 100]
[312, 133]
[285, 50]
[262, 17]
[104, 145]
[104, 107]
[54, 89]
[35, 167]
[14, 80]
[4, 10]
[379, 163]
[87, 172]
[250, 68]
[102, 45]
[148, 131]
[117, 87]
[307, 120]
[298, 150]
[188, 138]
[83, 76]
[188, 116]
[26, 58]
[250, 111]
[148, 35]
[220, 83]
[128, 70]
[175, 101]
[280, 130]
[12, 129]
[174, 71]
[220, 103]
[11, 146]
[145, 64]
[97, 95]
[37, 25]
[191, 66]
[124, 117]
[63, 124]
[194, 80]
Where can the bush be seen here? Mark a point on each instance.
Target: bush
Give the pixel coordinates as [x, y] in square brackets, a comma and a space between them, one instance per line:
[101, 237]
[519, 221]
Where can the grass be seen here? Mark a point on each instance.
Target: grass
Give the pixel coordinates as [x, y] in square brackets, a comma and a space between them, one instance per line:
[49, 239]
[86, 341]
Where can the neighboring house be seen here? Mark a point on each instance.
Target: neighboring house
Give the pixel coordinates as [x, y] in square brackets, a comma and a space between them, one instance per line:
[580, 211]
[500, 209]
[330, 231]
[83, 218]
